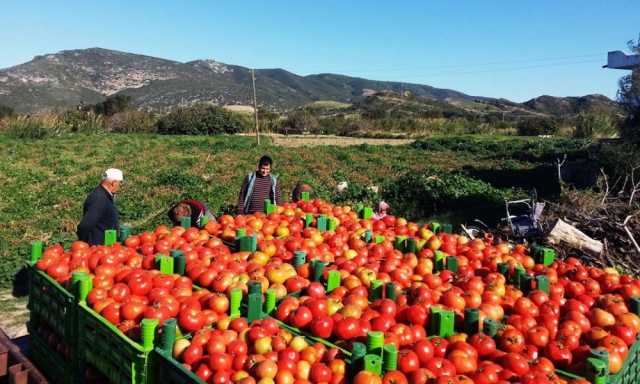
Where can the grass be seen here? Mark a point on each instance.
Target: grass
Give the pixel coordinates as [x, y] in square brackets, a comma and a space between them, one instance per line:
[44, 182]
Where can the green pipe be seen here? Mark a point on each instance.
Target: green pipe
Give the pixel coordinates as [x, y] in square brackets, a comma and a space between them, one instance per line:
[168, 336]
[148, 333]
[110, 237]
[36, 251]
[125, 232]
[390, 357]
[270, 301]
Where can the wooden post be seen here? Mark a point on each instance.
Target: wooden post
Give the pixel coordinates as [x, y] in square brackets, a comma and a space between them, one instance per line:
[255, 103]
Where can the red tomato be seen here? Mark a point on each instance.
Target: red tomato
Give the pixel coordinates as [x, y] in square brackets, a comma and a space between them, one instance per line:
[424, 350]
[320, 373]
[322, 326]
[538, 336]
[190, 319]
[516, 363]
[559, 354]
[394, 377]
[484, 344]
[408, 361]
[220, 361]
[512, 340]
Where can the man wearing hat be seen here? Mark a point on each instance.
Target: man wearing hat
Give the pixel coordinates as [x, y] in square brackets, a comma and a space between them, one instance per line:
[99, 212]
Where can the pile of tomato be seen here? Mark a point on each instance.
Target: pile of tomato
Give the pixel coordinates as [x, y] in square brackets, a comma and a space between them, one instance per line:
[584, 308]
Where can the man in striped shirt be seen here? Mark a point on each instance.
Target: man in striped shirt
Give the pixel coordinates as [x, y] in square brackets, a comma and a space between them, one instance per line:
[257, 187]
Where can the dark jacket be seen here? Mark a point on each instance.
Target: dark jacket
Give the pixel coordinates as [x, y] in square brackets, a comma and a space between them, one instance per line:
[98, 214]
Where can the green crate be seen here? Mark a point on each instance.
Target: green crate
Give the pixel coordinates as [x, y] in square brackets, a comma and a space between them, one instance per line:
[166, 370]
[629, 374]
[51, 303]
[113, 354]
[56, 367]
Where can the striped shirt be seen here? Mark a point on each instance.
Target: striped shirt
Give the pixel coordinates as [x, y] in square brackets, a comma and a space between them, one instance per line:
[261, 191]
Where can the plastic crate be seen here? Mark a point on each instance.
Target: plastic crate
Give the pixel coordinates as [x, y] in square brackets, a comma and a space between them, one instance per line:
[53, 307]
[628, 374]
[166, 370]
[51, 303]
[113, 354]
[53, 365]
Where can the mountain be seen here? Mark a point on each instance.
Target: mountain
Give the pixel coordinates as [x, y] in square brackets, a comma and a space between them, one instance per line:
[68, 78]
[562, 106]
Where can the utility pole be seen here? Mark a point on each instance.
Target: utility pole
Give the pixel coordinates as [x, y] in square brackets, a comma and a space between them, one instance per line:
[255, 103]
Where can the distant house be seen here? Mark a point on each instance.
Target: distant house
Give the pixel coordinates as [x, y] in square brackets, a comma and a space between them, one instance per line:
[620, 60]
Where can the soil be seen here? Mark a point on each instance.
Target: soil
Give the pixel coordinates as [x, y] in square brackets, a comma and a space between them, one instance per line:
[13, 314]
[342, 141]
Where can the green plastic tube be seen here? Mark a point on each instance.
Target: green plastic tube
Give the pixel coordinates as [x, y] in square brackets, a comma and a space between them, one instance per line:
[168, 336]
[36, 251]
[148, 327]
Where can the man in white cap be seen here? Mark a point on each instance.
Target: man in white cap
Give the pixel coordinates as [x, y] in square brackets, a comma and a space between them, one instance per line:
[99, 212]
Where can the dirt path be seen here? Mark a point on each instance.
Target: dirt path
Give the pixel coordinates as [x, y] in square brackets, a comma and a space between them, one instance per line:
[13, 314]
[314, 140]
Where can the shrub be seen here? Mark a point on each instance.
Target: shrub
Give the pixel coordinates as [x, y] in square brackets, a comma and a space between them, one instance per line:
[82, 122]
[131, 122]
[537, 126]
[422, 193]
[112, 105]
[594, 125]
[5, 111]
[200, 119]
[300, 121]
[39, 127]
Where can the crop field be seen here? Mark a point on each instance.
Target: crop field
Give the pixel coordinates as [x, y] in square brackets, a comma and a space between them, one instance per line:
[44, 182]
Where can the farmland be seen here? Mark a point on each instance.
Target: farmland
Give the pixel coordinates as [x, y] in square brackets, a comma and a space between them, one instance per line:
[43, 182]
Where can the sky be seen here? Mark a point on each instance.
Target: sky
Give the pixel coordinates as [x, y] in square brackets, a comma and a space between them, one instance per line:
[496, 48]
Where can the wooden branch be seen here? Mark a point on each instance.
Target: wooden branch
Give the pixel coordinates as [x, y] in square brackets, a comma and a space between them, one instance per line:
[606, 184]
[573, 237]
[626, 229]
[559, 166]
[634, 186]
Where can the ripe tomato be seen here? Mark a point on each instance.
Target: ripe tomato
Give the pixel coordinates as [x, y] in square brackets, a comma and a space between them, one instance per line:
[424, 350]
[559, 354]
[220, 361]
[394, 377]
[408, 361]
[512, 340]
[322, 326]
[516, 363]
[484, 344]
[366, 377]
[190, 319]
[538, 336]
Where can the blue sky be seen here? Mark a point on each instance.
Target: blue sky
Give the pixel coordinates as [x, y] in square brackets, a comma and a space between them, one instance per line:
[499, 48]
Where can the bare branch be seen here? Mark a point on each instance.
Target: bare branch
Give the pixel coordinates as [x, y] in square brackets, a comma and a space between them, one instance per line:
[559, 165]
[626, 229]
[634, 186]
[606, 184]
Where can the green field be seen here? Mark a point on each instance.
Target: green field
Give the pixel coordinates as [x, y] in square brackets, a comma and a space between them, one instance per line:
[43, 183]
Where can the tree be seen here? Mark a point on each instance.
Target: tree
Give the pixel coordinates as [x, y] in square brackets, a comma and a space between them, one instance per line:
[113, 105]
[201, 119]
[537, 126]
[629, 98]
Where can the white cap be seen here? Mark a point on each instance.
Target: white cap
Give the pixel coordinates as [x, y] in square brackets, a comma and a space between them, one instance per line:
[112, 174]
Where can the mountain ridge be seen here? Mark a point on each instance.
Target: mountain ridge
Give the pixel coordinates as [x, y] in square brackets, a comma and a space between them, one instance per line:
[70, 77]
